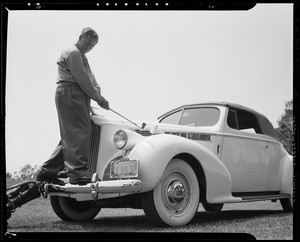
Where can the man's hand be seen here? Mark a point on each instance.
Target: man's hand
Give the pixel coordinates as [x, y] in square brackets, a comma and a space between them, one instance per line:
[104, 104]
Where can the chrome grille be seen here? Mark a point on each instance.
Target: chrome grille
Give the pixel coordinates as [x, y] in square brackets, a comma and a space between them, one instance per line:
[94, 147]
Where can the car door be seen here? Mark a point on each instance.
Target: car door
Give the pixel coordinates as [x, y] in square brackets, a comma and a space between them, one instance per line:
[242, 152]
[273, 153]
[275, 159]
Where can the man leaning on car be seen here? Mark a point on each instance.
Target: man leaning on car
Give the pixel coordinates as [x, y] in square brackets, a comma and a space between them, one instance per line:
[76, 87]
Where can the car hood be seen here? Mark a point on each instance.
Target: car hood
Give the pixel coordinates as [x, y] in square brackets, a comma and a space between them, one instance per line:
[151, 127]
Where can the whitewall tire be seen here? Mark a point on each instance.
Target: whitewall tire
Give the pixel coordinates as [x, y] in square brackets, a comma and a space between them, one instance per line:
[175, 199]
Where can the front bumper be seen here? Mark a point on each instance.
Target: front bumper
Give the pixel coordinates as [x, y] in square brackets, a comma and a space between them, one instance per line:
[95, 189]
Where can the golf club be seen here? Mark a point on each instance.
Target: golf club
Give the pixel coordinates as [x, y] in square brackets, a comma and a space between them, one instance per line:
[143, 125]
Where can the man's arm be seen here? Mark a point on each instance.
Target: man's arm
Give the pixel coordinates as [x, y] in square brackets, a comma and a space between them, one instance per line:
[75, 64]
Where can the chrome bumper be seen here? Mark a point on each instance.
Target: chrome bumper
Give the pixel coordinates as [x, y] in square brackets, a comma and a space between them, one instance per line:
[121, 186]
[117, 186]
[96, 186]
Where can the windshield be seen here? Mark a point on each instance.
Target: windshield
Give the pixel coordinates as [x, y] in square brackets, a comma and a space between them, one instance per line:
[194, 117]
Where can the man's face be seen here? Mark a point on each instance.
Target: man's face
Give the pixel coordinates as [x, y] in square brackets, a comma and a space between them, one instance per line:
[86, 44]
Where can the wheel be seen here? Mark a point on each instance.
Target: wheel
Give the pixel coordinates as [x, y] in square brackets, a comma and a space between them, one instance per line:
[287, 204]
[175, 199]
[69, 209]
[217, 207]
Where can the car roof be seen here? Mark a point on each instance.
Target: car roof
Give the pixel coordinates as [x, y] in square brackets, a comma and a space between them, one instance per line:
[266, 126]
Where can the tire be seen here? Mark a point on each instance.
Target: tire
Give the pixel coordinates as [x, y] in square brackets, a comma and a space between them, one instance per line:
[287, 204]
[217, 207]
[69, 209]
[175, 199]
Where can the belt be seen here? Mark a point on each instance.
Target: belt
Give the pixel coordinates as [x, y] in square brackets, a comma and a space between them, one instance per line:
[65, 82]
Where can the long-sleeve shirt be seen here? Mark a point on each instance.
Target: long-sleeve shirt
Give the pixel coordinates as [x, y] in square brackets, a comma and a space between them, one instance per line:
[74, 67]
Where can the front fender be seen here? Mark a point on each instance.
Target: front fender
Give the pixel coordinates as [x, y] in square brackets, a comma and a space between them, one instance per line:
[156, 151]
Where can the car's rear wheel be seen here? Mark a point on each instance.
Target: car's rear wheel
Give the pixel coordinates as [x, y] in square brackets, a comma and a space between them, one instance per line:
[287, 204]
[70, 209]
[212, 207]
[175, 199]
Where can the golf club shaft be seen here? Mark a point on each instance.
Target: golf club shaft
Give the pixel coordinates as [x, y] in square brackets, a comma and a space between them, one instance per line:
[124, 118]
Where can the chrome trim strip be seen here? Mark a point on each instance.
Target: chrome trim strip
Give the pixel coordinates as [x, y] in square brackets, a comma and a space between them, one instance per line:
[245, 136]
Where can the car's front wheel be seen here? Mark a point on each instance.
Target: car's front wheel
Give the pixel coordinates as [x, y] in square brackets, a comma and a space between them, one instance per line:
[70, 209]
[175, 199]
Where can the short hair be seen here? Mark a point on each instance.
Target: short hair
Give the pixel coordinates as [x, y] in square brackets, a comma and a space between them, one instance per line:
[89, 32]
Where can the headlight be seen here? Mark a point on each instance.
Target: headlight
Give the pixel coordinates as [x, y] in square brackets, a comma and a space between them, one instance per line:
[127, 139]
[120, 139]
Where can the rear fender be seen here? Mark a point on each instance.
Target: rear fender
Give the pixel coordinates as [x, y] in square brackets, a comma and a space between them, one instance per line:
[156, 151]
[287, 175]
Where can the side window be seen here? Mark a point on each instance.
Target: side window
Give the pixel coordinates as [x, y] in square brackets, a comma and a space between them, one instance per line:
[243, 121]
[232, 119]
[267, 127]
[172, 118]
[197, 117]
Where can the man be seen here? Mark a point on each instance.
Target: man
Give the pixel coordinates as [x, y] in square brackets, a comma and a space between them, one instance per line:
[76, 87]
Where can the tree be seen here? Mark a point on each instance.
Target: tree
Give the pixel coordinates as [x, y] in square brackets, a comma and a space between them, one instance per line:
[28, 172]
[285, 127]
[8, 175]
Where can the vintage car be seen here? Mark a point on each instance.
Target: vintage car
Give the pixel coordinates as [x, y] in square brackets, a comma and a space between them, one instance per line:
[209, 153]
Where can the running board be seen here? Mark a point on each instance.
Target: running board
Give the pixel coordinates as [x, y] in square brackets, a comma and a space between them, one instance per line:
[262, 196]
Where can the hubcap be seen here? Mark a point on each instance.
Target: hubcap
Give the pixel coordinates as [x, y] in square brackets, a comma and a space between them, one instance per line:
[176, 194]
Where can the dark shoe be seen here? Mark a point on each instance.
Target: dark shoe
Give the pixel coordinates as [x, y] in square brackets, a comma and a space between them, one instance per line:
[62, 174]
[81, 181]
[43, 176]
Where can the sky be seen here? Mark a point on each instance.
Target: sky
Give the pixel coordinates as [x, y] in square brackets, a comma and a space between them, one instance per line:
[146, 63]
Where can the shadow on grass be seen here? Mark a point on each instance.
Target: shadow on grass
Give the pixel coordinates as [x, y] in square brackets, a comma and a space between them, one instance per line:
[111, 224]
[231, 215]
[141, 223]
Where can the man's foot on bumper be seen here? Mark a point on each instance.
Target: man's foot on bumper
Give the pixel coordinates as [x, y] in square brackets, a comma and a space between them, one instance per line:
[62, 174]
[81, 180]
[43, 176]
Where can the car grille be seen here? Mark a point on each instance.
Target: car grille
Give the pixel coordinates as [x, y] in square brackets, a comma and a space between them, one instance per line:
[94, 147]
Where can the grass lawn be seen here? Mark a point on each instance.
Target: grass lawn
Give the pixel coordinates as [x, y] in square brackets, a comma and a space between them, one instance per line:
[264, 220]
